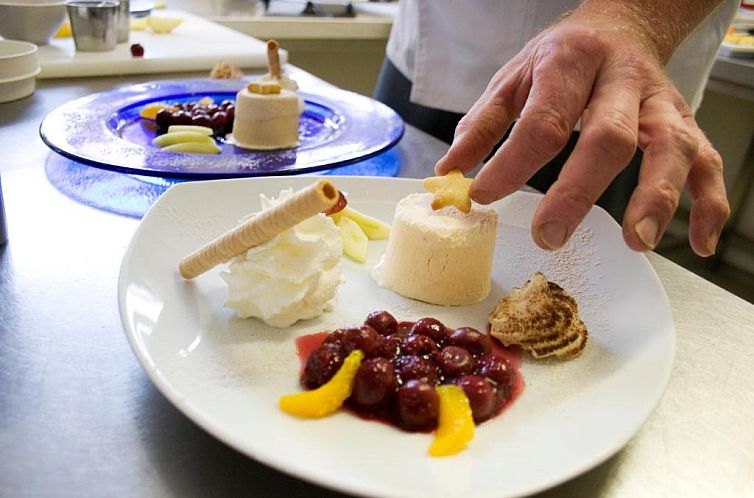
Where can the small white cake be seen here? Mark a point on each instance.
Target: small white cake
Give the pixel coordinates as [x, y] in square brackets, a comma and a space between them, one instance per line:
[441, 257]
[266, 119]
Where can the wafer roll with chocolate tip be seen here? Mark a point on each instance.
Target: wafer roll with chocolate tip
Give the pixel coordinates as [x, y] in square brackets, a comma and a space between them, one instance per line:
[265, 225]
[273, 59]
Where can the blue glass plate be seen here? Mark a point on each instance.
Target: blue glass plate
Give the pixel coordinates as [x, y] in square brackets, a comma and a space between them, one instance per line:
[336, 128]
[132, 195]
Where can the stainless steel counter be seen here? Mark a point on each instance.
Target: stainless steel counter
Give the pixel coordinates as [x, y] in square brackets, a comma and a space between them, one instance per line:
[733, 76]
[78, 417]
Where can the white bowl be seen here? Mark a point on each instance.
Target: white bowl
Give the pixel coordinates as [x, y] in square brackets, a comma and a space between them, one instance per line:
[18, 88]
[31, 20]
[18, 68]
[17, 58]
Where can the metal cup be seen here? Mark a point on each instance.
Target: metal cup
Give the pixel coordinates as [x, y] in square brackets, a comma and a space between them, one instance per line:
[124, 21]
[94, 24]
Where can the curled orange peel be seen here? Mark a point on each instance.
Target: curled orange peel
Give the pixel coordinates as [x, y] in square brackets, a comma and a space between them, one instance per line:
[456, 423]
[328, 397]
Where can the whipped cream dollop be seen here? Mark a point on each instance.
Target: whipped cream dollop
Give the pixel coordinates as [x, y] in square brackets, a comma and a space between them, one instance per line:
[292, 277]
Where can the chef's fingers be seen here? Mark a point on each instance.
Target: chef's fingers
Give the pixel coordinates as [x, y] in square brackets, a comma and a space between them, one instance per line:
[487, 121]
[606, 144]
[561, 84]
[710, 209]
[670, 147]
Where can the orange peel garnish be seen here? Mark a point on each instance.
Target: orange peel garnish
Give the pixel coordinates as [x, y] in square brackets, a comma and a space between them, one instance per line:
[150, 111]
[327, 398]
[455, 423]
[450, 189]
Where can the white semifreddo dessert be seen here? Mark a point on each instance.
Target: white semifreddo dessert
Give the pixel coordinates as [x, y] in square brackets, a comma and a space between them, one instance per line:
[266, 117]
[441, 256]
[294, 276]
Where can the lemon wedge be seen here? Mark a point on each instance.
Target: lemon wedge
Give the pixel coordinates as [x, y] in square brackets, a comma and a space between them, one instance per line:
[194, 147]
[355, 241]
[65, 30]
[373, 228]
[139, 23]
[163, 25]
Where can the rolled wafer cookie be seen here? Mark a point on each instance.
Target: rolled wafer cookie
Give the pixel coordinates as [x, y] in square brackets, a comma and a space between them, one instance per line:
[303, 204]
[273, 59]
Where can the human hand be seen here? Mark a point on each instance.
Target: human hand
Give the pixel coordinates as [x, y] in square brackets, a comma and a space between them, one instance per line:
[599, 68]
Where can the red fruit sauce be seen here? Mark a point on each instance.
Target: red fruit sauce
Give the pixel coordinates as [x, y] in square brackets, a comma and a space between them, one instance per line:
[307, 344]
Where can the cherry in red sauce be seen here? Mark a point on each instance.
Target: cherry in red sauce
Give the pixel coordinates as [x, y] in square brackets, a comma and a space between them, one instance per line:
[471, 339]
[430, 327]
[201, 120]
[404, 361]
[391, 346]
[218, 117]
[321, 365]
[500, 372]
[404, 328]
[419, 345]
[163, 119]
[454, 361]
[481, 394]
[364, 338]
[375, 384]
[418, 405]
[182, 118]
[382, 322]
[411, 367]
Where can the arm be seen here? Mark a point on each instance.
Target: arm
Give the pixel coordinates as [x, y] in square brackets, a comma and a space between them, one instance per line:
[603, 64]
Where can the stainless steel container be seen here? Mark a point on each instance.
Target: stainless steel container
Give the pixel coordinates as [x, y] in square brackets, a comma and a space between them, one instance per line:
[94, 24]
[124, 21]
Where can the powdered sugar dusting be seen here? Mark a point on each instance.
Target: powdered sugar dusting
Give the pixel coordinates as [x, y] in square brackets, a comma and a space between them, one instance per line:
[575, 267]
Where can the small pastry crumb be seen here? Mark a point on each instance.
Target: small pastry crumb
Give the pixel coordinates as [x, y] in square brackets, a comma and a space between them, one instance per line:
[225, 71]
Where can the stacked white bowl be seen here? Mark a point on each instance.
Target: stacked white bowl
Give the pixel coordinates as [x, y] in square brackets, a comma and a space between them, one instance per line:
[34, 21]
[18, 69]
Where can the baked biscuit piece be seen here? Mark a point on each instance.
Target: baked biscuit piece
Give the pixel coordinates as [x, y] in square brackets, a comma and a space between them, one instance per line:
[451, 189]
[542, 318]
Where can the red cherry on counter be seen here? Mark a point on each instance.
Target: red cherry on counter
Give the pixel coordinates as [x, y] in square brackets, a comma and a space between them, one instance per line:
[137, 50]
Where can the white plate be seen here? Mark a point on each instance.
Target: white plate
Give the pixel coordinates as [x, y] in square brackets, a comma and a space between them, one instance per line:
[227, 374]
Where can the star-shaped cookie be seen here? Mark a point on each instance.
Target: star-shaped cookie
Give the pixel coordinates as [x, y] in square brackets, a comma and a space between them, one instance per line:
[451, 189]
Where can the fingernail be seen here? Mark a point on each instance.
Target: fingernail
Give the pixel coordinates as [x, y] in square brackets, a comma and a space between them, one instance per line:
[437, 167]
[553, 234]
[647, 230]
[712, 242]
[483, 197]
